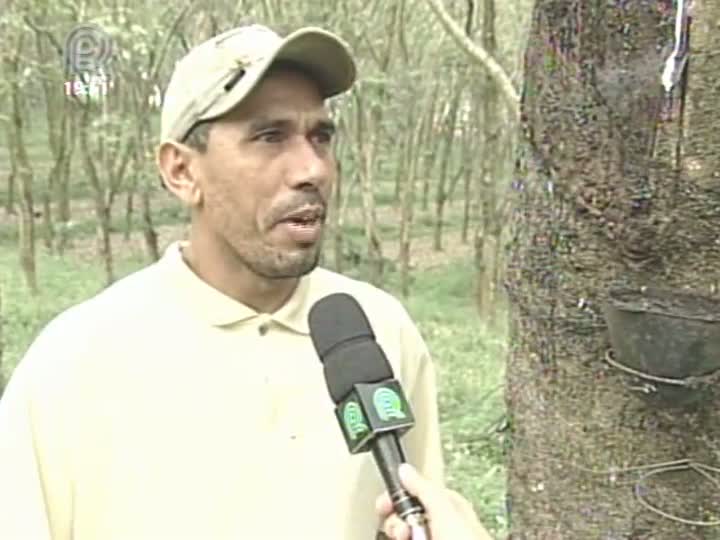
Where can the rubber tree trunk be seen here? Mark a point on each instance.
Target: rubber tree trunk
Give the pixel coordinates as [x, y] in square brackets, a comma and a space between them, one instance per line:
[619, 186]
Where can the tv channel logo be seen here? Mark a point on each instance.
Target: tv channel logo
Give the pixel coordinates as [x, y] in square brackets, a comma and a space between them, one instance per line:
[88, 48]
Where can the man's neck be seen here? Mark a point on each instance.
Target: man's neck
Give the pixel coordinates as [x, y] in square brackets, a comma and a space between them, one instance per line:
[259, 293]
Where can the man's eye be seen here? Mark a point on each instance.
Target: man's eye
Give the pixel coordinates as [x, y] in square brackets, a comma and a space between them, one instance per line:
[270, 136]
[324, 137]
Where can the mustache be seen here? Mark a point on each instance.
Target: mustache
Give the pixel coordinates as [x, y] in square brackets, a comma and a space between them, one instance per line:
[305, 198]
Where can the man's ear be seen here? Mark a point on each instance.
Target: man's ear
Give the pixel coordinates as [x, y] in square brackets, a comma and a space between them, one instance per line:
[175, 162]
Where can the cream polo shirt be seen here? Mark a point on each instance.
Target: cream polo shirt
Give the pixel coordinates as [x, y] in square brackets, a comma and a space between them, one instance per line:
[163, 409]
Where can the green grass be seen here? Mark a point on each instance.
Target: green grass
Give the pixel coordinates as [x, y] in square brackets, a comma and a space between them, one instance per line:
[63, 282]
[470, 363]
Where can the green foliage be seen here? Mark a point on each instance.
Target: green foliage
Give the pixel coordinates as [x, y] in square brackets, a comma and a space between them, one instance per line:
[470, 363]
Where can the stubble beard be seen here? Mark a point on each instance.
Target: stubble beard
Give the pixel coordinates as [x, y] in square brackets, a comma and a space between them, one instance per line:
[277, 263]
[264, 259]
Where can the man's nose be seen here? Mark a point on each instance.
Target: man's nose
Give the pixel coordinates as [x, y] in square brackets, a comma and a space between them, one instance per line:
[309, 165]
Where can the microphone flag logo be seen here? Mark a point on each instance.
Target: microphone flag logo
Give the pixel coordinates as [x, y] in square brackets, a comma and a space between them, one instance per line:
[388, 404]
[354, 420]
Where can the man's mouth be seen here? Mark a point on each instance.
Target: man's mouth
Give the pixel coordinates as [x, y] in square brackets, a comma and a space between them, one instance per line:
[308, 215]
[303, 226]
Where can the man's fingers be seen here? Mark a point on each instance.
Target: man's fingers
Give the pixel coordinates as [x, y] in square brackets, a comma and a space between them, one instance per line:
[417, 485]
[431, 495]
[396, 529]
[411, 479]
[383, 505]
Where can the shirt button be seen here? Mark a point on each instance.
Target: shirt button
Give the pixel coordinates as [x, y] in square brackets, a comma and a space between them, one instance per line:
[264, 325]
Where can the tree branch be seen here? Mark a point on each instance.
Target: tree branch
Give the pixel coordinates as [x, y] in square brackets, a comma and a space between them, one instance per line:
[42, 31]
[479, 55]
[160, 58]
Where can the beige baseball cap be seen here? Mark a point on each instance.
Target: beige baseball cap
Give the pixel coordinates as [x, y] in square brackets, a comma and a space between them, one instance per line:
[217, 74]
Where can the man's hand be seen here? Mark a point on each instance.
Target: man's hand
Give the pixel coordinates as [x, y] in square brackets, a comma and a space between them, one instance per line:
[443, 507]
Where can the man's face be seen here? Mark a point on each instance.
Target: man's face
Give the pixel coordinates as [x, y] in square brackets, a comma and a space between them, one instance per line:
[267, 176]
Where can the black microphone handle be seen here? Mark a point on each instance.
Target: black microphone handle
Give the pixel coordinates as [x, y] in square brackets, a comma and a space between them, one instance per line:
[388, 453]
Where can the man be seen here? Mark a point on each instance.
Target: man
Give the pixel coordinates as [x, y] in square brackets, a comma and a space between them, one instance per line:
[186, 401]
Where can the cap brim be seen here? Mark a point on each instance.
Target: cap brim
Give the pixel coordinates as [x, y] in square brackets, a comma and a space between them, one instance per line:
[325, 57]
[321, 54]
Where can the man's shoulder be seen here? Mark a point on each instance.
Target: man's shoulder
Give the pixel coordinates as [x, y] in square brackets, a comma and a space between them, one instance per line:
[120, 303]
[90, 329]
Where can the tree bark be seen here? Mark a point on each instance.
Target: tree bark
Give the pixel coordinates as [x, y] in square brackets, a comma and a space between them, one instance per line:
[610, 194]
[492, 169]
[400, 171]
[12, 175]
[56, 125]
[468, 192]
[441, 191]
[149, 234]
[26, 235]
[366, 141]
[346, 185]
[407, 198]
[102, 200]
[62, 184]
[138, 102]
[130, 207]
[337, 222]
[143, 150]
[430, 157]
[337, 217]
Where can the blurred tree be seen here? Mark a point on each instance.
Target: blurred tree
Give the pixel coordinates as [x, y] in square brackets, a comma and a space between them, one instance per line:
[16, 78]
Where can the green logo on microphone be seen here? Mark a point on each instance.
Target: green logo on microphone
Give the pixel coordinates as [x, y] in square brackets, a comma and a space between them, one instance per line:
[388, 404]
[354, 420]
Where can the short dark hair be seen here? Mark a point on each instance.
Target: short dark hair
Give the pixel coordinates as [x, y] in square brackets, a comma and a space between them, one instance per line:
[197, 137]
[290, 65]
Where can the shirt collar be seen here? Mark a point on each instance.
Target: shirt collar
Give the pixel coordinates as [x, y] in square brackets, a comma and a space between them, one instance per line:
[218, 309]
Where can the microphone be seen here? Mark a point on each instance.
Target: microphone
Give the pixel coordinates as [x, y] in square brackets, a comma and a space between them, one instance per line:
[371, 407]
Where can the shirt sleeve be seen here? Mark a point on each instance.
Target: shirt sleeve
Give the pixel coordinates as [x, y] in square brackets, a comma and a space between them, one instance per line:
[35, 471]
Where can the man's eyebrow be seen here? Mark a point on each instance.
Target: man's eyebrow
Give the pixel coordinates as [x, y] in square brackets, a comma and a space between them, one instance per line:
[263, 123]
[259, 124]
[326, 125]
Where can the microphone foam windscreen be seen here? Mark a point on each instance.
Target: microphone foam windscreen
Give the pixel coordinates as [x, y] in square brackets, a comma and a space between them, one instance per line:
[346, 344]
[335, 319]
